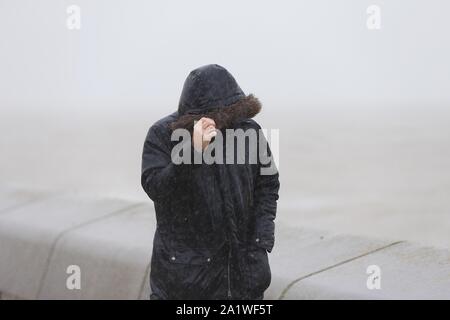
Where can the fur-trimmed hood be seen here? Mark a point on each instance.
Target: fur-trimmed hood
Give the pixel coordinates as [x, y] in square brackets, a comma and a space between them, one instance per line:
[211, 91]
[223, 116]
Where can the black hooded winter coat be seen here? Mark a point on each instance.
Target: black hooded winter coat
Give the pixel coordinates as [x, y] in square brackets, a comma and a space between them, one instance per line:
[215, 222]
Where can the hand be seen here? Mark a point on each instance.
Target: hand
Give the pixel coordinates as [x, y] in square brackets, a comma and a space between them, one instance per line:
[204, 131]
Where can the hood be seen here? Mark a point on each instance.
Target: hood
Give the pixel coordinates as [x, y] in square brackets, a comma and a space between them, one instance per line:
[211, 91]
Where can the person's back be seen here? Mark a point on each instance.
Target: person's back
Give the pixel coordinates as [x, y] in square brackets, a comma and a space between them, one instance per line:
[215, 218]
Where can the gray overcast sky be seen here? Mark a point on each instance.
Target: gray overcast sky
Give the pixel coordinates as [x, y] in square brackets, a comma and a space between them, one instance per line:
[294, 52]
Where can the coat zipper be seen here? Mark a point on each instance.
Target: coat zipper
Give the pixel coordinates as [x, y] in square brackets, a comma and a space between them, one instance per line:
[228, 272]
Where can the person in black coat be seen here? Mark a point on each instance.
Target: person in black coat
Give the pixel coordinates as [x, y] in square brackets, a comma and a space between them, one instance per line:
[215, 221]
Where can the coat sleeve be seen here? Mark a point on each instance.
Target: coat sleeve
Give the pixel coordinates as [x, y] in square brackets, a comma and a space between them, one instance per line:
[266, 196]
[159, 175]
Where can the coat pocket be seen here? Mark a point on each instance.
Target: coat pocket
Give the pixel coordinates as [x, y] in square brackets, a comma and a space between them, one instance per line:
[189, 272]
[259, 270]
